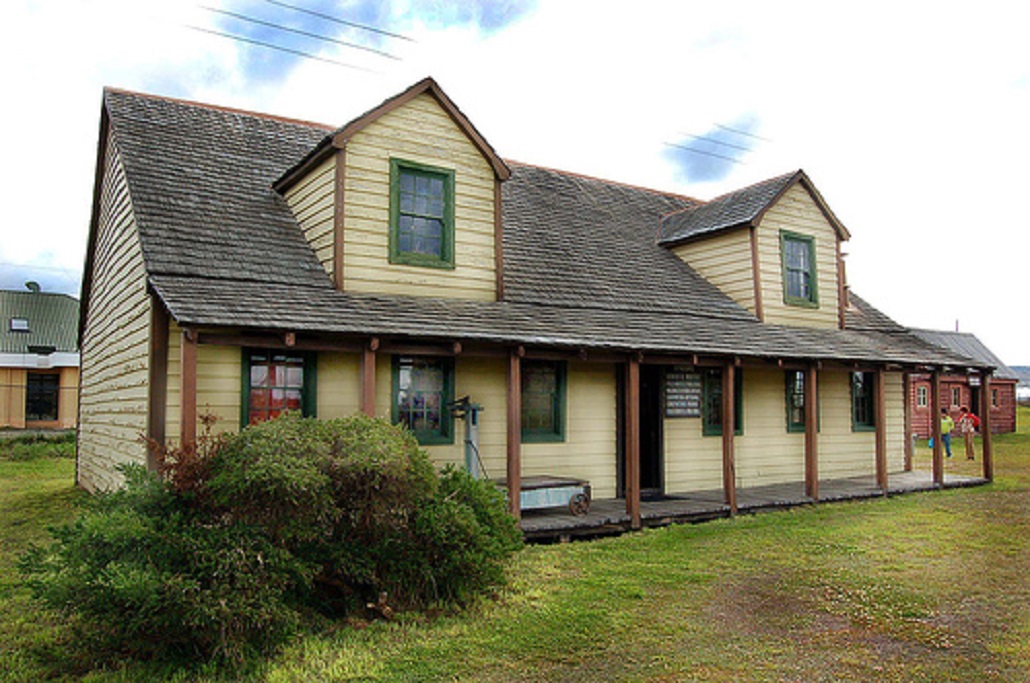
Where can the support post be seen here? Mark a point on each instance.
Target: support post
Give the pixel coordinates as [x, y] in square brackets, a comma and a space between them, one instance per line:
[812, 432]
[935, 427]
[515, 434]
[368, 377]
[986, 437]
[909, 398]
[880, 406]
[188, 388]
[632, 447]
[157, 394]
[729, 421]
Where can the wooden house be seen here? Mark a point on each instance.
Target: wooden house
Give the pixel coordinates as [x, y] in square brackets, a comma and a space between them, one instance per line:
[39, 359]
[646, 342]
[965, 389]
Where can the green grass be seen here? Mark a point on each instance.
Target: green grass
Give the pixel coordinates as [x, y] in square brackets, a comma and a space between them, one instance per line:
[923, 587]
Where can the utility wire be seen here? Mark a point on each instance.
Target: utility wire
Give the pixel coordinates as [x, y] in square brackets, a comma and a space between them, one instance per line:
[280, 27]
[742, 132]
[344, 22]
[717, 142]
[707, 154]
[299, 53]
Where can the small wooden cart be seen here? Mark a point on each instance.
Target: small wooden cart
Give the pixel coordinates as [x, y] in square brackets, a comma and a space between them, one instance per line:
[540, 492]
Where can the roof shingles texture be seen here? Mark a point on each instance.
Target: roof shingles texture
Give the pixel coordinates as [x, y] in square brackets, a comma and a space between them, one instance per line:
[581, 264]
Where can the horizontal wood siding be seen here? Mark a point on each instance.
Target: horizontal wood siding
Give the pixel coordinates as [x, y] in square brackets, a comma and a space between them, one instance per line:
[895, 411]
[725, 261]
[311, 201]
[842, 452]
[797, 212]
[766, 453]
[421, 132]
[339, 385]
[12, 397]
[693, 462]
[115, 344]
[219, 390]
[1003, 416]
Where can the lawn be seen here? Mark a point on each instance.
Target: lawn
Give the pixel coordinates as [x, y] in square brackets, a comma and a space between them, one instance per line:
[922, 587]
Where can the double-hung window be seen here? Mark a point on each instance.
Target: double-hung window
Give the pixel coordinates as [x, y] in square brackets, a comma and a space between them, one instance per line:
[795, 401]
[543, 400]
[422, 389]
[711, 416]
[275, 382]
[799, 276]
[421, 214]
[863, 412]
[922, 396]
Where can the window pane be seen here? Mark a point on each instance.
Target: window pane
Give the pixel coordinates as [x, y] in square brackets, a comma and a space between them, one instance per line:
[276, 385]
[41, 395]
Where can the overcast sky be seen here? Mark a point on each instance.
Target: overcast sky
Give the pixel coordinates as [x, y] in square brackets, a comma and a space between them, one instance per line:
[910, 117]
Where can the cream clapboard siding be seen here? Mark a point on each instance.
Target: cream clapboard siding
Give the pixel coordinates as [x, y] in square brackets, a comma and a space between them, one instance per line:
[338, 393]
[692, 462]
[766, 453]
[725, 261]
[218, 385]
[895, 410]
[588, 451]
[115, 344]
[797, 212]
[421, 132]
[842, 451]
[312, 200]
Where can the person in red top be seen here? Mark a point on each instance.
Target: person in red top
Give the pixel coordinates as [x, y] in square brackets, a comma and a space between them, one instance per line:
[967, 424]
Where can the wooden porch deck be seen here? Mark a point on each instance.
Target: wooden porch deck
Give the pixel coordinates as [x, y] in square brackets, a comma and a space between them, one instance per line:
[608, 516]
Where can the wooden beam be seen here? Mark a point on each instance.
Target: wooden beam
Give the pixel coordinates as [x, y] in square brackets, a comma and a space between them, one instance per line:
[157, 392]
[276, 342]
[986, 437]
[498, 242]
[812, 432]
[290, 339]
[632, 447]
[907, 381]
[188, 388]
[729, 416]
[935, 427]
[368, 378]
[514, 436]
[756, 275]
[339, 183]
[880, 406]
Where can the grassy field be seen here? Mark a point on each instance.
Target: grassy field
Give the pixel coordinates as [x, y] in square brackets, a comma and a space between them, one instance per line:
[923, 587]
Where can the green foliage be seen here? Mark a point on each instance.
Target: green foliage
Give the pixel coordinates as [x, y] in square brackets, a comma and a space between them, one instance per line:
[34, 446]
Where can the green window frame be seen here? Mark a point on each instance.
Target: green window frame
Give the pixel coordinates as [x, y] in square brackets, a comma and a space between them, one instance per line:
[800, 281]
[711, 416]
[423, 389]
[277, 380]
[421, 214]
[544, 390]
[863, 406]
[795, 384]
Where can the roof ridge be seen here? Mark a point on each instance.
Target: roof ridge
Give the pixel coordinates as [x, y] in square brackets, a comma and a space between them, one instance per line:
[574, 174]
[221, 108]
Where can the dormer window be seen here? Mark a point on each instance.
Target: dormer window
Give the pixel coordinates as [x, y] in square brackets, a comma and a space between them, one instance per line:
[19, 325]
[421, 215]
[799, 277]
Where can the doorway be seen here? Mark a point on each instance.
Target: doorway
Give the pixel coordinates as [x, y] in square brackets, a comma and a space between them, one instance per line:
[651, 436]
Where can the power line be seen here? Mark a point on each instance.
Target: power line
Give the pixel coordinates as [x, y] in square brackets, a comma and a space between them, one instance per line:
[260, 43]
[742, 132]
[707, 154]
[344, 22]
[308, 34]
[717, 142]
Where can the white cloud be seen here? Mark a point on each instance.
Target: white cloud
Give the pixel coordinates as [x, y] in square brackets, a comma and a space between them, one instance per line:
[910, 117]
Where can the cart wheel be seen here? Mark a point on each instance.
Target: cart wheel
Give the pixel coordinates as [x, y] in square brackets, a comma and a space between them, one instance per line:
[579, 504]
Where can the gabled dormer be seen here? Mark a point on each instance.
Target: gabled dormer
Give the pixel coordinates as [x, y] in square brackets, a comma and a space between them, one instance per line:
[773, 247]
[404, 199]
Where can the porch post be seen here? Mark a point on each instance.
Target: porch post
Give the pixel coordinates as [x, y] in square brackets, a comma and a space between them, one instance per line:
[515, 432]
[812, 432]
[632, 446]
[880, 406]
[729, 421]
[188, 388]
[986, 437]
[158, 372]
[935, 427]
[368, 377]
[909, 398]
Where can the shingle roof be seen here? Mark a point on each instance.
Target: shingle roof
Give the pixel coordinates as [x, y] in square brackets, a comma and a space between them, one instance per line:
[581, 265]
[53, 321]
[967, 345]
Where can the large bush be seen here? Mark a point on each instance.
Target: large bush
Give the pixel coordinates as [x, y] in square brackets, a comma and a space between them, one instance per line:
[227, 550]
